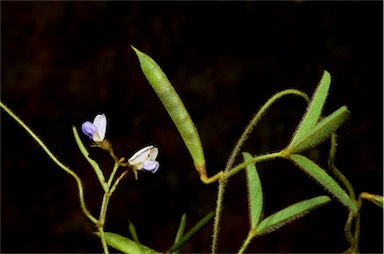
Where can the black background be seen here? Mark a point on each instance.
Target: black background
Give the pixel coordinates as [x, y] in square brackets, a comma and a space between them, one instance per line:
[64, 62]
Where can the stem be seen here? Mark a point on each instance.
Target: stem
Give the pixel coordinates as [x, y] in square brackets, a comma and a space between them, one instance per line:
[233, 171]
[347, 231]
[114, 157]
[114, 170]
[223, 177]
[209, 180]
[103, 241]
[352, 238]
[357, 232]
[256, 118]
[254, 160]
[247, 131]
[101, 221]
[338, 174]
[55, 160]
[94, 165]
[357, 222]
[219, 207]
[104, 205]
[247, 241]
[117, 182]
[228, 172]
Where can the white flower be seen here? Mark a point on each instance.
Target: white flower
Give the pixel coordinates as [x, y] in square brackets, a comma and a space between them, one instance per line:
[96, 130]
[145, 159]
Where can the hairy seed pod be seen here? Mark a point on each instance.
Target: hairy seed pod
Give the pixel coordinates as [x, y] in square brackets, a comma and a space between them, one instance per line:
[175, 107]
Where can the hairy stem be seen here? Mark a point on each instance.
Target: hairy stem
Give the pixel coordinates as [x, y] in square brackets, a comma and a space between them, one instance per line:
[101, 221]
[219, 207]
[247, 241]
[103, 240]
[114, 170]
[254, 160]
[223, 178]
[228, 172]
[256, 119]
[55, 160]
[338, 174]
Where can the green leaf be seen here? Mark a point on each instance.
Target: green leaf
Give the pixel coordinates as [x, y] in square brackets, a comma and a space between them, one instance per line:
[324, 179]
[314, 108]
[173, 104]
[180, 231]
[320, 132]
[286, 215]
[125, 245]
[199, 225]
[133, 232]
[255, 192]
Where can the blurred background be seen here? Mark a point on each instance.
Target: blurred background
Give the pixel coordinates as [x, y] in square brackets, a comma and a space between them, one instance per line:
[64, 62]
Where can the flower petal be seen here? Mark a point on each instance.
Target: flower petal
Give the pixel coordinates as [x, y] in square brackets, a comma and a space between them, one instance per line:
[151, 166]
[154, 153]
[141, 155]
[88, 129]
[100, 122]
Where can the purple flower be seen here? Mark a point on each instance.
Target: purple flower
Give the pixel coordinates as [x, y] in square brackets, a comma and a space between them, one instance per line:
[96, 130]
[145, 159]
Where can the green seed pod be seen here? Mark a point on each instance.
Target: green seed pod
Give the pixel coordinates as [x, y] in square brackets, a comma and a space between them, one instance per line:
[175, 107]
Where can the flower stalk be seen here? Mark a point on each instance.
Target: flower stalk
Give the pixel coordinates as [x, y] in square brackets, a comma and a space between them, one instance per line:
[144, 159]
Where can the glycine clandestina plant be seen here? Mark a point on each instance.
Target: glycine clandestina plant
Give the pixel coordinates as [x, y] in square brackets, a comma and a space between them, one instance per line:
[311, 131]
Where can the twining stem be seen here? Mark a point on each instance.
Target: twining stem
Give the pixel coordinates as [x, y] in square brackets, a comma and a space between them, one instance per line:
[229, 171]
[352, 238]
[357, 231]
[255, 120]
[223, 177]
[55, 160]
[348, 234]
[108, 189]
[338, 174]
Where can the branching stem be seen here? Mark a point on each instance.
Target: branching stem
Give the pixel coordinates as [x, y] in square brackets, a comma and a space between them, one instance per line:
[222, 176]
[55, 160]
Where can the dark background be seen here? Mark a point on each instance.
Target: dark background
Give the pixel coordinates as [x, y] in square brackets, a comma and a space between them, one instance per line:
[64, 62]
